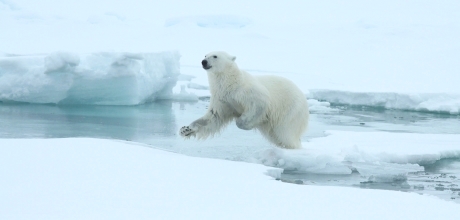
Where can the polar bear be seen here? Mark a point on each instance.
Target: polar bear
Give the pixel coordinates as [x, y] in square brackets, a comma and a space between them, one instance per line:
[271, 104]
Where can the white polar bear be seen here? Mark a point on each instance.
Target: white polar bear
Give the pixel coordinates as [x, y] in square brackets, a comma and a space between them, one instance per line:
[271, 104]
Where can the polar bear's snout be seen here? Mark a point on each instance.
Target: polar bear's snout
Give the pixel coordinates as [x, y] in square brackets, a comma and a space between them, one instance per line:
[205, 64]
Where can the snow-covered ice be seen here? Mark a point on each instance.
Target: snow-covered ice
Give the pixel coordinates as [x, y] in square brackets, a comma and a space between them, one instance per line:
[372, 154]
[441, 103]
[320, 106]
[81, 178]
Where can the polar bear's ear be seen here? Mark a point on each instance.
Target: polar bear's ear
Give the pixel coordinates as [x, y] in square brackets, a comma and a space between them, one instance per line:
[233, 58]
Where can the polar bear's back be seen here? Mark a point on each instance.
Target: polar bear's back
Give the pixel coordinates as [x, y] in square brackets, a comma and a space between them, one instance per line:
[281, 88]
[286, 98]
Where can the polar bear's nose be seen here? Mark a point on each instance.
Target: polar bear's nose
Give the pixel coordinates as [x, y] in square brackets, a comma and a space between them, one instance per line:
[204, 63]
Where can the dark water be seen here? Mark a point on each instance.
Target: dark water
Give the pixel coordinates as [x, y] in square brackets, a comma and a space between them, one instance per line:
[157, 124]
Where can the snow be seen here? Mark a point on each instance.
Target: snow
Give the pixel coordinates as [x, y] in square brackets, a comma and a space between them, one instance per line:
[82, 178]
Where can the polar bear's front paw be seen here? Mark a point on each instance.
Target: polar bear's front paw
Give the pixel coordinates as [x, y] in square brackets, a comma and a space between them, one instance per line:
[186, 131]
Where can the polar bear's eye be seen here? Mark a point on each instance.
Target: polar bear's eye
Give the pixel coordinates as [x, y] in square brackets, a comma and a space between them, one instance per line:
[215, 57]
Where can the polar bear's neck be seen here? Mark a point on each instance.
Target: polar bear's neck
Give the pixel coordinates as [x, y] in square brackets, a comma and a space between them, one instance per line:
[227, 80]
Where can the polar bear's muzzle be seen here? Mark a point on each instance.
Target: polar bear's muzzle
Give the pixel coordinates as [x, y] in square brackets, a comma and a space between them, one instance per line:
[205, 64]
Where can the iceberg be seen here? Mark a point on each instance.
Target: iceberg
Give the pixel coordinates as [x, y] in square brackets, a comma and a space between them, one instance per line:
[94, 79]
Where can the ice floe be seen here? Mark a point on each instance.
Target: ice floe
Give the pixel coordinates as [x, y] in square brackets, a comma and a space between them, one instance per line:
[97, 78]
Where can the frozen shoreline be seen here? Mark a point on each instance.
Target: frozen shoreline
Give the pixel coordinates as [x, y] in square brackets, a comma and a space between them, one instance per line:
[76, 178]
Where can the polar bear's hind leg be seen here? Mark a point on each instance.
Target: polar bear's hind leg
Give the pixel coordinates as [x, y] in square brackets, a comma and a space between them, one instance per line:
[280, 136]
[287, 138]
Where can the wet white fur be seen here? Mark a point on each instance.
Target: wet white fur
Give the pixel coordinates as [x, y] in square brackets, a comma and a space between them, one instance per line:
[271, 104]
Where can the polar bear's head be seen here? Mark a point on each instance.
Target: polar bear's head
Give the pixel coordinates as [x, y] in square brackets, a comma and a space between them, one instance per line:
[217, 61]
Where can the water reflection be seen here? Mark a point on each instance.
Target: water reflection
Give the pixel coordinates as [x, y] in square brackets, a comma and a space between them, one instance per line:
[118, 122]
